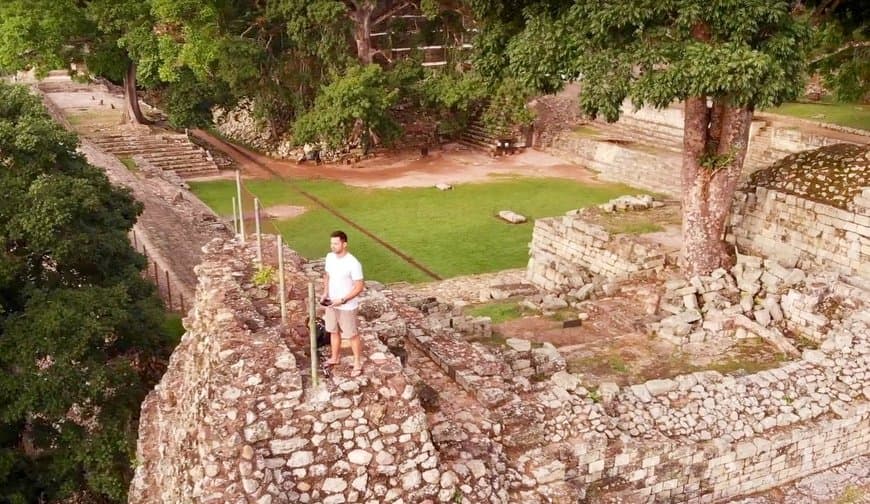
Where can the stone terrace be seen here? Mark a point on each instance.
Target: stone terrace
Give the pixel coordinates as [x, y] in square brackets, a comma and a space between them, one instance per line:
[462, 421]
[651, 141]
[169, 152]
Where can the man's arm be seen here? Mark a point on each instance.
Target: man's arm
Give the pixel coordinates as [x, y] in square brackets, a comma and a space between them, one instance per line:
[358, 287]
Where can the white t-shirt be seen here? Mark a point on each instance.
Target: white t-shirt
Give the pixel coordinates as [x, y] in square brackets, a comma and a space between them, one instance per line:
[343, 272]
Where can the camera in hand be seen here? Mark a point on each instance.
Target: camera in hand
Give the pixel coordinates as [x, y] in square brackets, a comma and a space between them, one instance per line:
[325, 302]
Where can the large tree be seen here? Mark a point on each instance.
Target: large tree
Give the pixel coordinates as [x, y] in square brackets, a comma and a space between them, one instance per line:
[79, 326]
[107, 37]
[722, 59]
[841, 48]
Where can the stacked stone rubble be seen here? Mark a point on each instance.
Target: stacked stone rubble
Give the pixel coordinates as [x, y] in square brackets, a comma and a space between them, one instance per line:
[566, 252]
[231, 420]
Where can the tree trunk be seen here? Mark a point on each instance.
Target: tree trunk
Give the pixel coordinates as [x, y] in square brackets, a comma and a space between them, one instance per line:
[132, 112]
[362, 19]
[714, 146]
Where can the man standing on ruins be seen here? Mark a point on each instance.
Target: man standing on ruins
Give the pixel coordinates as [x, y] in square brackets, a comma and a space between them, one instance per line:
[342, 283]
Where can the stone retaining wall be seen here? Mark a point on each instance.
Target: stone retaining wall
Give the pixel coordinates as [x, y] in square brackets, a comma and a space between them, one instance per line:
[654, 171]
[631, 150]
[717, 470]
[810, 234]
[565, 250]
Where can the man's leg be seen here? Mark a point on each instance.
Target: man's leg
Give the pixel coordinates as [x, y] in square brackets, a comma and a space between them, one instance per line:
[356, 346]
[331, 323]
[335, 346]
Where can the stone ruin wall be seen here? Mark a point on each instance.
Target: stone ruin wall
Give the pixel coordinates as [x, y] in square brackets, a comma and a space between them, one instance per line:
[620, 164]
[825, 240]
[235, 418]
[771, 138]
[799, 231]
[232, 421]
[565, 252]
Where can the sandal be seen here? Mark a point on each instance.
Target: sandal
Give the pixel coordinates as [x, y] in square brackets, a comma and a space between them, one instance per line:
[356, 372]
[328, 363]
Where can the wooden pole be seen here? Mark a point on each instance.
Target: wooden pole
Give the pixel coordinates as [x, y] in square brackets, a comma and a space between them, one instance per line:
[235, 225]
[241, 207]
[257, 225]
[168, 290]
[282, 295]
[312, 329]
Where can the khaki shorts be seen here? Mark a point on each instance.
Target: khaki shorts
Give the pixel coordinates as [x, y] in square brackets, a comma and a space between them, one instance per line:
[343, 321]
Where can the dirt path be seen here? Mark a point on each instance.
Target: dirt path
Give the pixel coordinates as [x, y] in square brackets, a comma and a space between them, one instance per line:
[452, 164]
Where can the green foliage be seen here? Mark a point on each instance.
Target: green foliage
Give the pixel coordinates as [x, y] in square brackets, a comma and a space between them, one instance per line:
[450, 97]
[75, 314]
[264, 276]
[188, 101]
[749, 52]
[48, 35]
[841, 47]
[507, 106]
[354, 107]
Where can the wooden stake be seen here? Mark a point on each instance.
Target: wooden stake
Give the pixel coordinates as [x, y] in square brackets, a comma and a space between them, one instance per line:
[241, 207]
[257, 225]
[282, 295]
[312, 329]
[235, 225]
[168, 290]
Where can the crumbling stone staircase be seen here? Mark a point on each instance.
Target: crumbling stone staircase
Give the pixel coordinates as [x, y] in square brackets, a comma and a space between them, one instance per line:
[480, 137]
[175, 153]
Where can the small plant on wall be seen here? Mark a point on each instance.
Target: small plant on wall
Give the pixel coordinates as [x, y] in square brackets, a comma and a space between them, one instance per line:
[264, 277]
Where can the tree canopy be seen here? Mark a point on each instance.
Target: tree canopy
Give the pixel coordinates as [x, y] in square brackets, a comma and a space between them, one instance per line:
[720, 59]
[841, 48]
[106, 37]
[78, 323]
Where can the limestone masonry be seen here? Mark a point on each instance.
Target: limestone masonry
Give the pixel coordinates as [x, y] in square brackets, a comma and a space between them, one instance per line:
[236, 419]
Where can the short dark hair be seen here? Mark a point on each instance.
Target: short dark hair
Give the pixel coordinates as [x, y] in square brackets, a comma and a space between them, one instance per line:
[340, 235]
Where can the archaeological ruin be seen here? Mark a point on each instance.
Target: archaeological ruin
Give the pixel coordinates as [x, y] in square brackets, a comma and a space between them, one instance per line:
[237, 418]
[441, 414]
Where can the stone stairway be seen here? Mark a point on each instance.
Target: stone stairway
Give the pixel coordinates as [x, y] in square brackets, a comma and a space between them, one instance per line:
[761, 153]
[168, 152]
[661, 136]
[478, 136]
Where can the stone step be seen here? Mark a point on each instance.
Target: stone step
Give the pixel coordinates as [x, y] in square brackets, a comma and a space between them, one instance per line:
[655, 139]
[476, 144]
[183, 165]
[190, 170]
[129, 151]
[140, 138]
[479, 137]
[185, 154]
[196, 173]
[154, 144]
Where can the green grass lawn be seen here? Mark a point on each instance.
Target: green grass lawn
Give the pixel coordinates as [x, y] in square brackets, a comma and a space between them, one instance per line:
[450, 232]
[173, 326]
[852, 115]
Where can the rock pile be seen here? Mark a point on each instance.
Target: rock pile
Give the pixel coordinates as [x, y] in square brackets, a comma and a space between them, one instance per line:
[242, 125]
[754, 299]
[624, 203]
